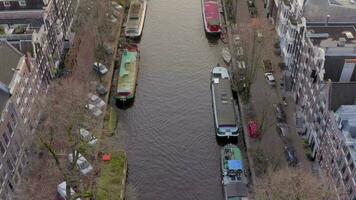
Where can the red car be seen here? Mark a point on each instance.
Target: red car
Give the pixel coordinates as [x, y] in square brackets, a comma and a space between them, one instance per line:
[252, 129]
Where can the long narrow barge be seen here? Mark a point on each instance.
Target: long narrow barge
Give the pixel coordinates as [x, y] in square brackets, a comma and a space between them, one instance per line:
[211, 16]
[127, 74]
[226, 122]
[136, 18]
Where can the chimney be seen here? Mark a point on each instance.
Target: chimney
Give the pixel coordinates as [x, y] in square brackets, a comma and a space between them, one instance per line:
[341, 42]
[327, 20]
[28, 63]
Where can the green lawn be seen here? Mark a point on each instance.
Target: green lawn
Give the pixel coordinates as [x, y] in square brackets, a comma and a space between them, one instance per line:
[110, 184]
[110, 120]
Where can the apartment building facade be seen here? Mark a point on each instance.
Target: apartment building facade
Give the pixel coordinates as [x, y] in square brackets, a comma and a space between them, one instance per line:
[319, 51]
[19, 86]
[29, 59]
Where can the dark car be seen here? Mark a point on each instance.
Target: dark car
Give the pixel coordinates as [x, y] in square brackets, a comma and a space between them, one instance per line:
[101, 90]
[291, 155]
[280, 114]
[282, 129]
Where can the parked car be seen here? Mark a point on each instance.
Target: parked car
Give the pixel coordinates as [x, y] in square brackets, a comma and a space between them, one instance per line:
[82, 163]
[101, 90]
[280, 114]
[291, 155]
[61, 189]
[270, 79]
[100, 68]
[88, 137]
[282, 129]
[252, 129]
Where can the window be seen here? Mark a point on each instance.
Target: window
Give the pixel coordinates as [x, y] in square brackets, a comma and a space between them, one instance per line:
[352, 166]
[9, 128]
[7, 3]
[2, 177]
[348, 156]
[14, 157]
[10, 186]
[6, 138]
[9, 165]
[350, 190]
[17, 147]
[343, 169]
[13, 119]
[2, 148]
[346, 179]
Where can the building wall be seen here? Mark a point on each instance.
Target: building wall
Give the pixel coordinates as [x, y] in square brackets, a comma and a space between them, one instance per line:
[306, 63]
[19, 120]
[12, 152]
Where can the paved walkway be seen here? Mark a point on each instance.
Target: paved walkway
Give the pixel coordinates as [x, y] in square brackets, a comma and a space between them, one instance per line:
[263, 96]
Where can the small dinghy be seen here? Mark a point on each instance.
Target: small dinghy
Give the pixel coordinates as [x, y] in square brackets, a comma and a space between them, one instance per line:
[226, 55]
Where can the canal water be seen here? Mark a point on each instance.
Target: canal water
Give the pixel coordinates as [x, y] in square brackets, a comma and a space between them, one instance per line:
[170, 140]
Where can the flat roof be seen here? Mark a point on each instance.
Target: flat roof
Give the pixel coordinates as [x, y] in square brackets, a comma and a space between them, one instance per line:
[329, 36]
[224, 103]
[30, 5]
[338, 10]
[9, 59]
[342, 94]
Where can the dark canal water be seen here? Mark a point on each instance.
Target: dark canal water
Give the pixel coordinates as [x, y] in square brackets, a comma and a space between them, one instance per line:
[170, 139]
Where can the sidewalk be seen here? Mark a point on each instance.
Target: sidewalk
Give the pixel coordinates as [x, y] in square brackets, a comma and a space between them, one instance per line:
[260, 107]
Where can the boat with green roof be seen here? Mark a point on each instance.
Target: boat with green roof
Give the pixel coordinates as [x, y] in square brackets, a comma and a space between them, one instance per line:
[127, 74]
[233, 173]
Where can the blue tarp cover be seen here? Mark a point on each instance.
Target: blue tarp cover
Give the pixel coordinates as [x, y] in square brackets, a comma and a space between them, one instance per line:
[235, 165]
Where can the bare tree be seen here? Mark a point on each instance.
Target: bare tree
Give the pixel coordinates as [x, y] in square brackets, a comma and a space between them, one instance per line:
[293, 184]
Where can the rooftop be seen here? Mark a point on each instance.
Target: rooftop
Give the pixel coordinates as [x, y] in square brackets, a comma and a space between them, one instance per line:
[9, 57]
[346, 121]
[332, 36]
[341, 94]
[33, 22]
[338, 10]
[15, 5]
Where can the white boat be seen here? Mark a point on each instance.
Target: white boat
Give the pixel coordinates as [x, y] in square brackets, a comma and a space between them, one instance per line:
[226, 55]
[136, 18]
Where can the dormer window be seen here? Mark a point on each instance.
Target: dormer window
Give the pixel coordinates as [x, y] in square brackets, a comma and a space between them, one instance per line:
[22, 3]
[7, 4]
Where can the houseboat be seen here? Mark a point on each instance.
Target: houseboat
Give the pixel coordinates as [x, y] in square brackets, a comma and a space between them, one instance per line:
[211, 16]
[135, 18]
[226, 122]
[233, 173]
[127, 74]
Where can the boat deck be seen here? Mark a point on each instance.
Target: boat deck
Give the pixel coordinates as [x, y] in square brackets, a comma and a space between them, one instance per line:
[212, 13]
[234, 179]
[135, 13]
[224, 105]
[127, 72]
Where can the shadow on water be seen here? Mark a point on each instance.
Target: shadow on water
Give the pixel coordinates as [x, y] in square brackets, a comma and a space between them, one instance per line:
[212, 38]
[124, 105]
[224, 141]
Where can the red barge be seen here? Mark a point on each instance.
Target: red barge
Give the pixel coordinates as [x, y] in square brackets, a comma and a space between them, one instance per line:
[211, 16]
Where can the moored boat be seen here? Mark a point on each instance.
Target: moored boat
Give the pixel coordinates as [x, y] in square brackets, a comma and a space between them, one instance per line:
[226, 122]
[233, 173]
[226, 55]
[135, 18]
[127, 74]
[211, 16]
